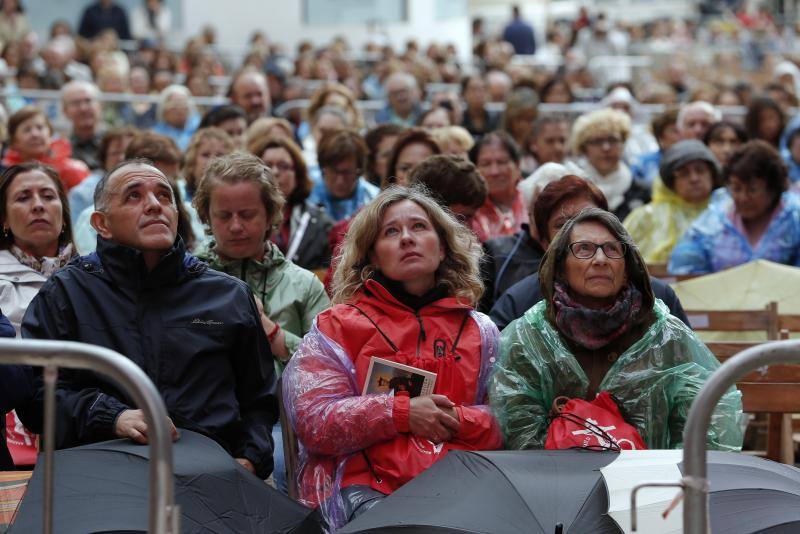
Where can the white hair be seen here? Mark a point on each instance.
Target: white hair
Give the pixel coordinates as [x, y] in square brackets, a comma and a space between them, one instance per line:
[408, 79]
[701, 105]
[79, 84]
[533, 185]
[170, 91]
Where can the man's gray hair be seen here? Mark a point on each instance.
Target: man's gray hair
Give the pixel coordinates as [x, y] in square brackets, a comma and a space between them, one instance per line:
[101, 193]
[702, 105]
[76, 84]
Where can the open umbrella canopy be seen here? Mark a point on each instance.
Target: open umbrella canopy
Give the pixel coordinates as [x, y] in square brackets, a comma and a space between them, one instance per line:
[103, 487]
[747, 494]
[504, 492]
[563, 492]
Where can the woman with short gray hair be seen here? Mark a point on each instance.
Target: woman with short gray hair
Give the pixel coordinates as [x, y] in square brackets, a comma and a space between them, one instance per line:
[177, 115]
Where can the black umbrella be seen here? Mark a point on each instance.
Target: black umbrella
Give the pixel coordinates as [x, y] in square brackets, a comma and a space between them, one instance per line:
[103, 487]
[507, 492]
[563, 492]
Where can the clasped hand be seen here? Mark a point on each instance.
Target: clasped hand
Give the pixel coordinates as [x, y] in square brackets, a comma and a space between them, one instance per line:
[433, 417]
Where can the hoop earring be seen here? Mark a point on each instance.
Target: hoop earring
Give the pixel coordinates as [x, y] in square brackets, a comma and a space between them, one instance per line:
[6, 233]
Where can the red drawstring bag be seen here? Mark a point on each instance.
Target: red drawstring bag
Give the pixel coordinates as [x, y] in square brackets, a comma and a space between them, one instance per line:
[596, 425]
[22, 443]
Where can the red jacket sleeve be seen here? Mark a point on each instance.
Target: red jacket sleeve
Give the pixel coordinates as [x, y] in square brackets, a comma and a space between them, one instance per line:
[479, 428]
[324, 405]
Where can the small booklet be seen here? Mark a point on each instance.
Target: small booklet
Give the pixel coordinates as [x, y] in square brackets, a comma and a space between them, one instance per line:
[384, 376]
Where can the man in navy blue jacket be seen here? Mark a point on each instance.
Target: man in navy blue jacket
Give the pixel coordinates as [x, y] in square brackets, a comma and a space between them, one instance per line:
[195, 331]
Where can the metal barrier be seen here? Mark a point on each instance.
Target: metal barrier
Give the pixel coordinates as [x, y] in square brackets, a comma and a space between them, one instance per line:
[164, 517]
[694, 482]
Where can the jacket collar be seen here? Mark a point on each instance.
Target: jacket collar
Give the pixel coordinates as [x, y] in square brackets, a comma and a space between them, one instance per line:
[273, 257]
[125, 265]
[374, 290]
[525, 230]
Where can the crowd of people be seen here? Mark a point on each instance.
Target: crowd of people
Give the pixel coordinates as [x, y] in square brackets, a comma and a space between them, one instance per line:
[221, 247]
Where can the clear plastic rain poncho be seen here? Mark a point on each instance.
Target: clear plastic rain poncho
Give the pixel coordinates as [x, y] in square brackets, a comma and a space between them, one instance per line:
[654, 381]
[656, 227]
[323, 401]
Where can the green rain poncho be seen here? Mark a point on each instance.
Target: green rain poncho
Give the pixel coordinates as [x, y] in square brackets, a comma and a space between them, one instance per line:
[654, 381]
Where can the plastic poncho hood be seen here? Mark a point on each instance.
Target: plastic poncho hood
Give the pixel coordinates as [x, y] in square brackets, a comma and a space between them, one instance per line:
[658, 226]
[654, 383]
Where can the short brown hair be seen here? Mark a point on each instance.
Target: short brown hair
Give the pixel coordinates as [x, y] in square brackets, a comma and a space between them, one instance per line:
[566, 187]
[234, 169]
[451, 180]
[409, 137]
[759, 159]
[303, 185]
[155, 147]
[662, 121]
[111, 136]
[8, 177]
[373, 138]
[22, 115]
[338, 145]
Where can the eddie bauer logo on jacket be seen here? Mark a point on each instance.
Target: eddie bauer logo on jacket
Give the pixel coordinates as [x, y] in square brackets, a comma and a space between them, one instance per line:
[209, 322]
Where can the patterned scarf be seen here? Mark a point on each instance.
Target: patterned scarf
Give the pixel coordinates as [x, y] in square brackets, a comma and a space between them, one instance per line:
[46, 266]
[595, 328]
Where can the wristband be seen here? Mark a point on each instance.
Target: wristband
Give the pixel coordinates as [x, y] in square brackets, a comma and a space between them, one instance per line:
[272, 335]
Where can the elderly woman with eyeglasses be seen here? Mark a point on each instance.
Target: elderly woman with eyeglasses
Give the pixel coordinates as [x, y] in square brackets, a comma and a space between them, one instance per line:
[598, 329]
[598, 138]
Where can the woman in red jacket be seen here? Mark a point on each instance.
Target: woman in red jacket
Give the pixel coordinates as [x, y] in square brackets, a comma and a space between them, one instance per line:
[29, 134]
[404, 290]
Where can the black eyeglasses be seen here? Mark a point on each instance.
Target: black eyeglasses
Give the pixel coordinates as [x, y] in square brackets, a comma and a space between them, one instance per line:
[585, 250]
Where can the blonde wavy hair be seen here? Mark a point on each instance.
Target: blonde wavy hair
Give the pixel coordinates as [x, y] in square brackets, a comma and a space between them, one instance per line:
[459, 271]
[598, 123]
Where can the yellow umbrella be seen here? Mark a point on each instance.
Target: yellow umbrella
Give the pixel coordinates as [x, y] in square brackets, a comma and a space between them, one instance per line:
[749, 286]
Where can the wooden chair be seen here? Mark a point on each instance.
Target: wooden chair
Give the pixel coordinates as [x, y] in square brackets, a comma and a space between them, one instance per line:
[776, 391]
[659, 270]
[764, 320]
[291, 451]
[788, 324]
[773, 390]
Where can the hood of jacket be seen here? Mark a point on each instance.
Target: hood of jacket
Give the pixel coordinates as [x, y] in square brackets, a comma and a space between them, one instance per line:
[11, 268]
[273, 258]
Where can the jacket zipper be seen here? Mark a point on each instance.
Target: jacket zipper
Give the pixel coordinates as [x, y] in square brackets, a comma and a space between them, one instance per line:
[422, 335]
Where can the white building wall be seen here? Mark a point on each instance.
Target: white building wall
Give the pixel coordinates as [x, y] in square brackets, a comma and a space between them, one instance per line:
[282, 22]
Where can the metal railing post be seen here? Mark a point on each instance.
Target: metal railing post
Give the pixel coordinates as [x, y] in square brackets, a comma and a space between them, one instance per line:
[164, 517]
[695, 508]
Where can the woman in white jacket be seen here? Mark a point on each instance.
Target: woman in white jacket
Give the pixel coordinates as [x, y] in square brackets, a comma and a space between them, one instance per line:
[36, 237]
